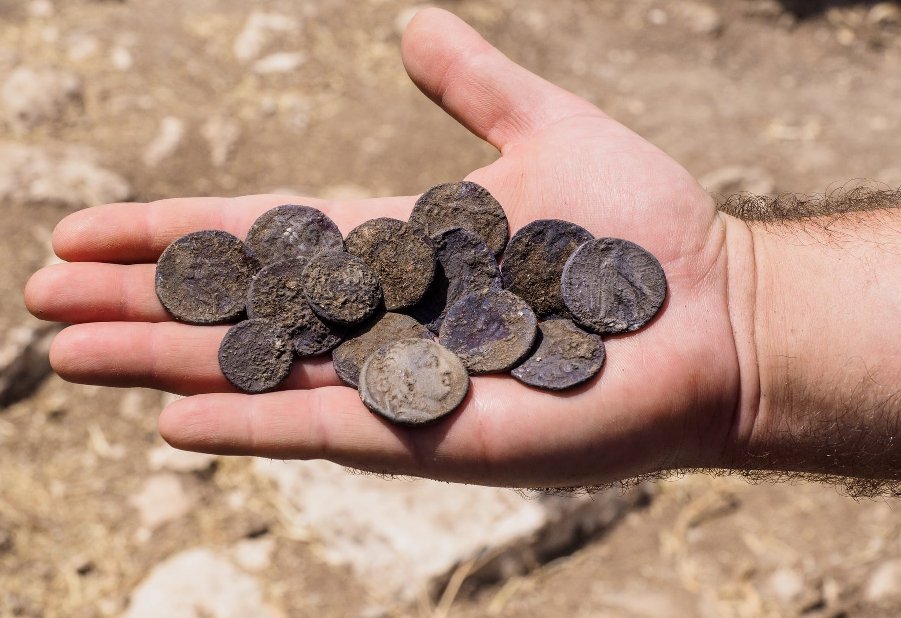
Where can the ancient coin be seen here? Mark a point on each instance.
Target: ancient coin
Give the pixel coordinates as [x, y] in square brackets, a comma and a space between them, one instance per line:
[388, 328]
[490, 332]
[465, 265]
[462, 204]
[341, 288]
[612, 285]
[534, 260]
[202, 277]
[413, 382]
[565, 356]
[401, 255]
[292, 231]
[256, 355]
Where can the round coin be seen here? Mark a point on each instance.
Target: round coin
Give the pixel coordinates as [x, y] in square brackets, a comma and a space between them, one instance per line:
[390, 327]
[202, 277]
[462, 204]
[565, 356]
[612, 285]
[534, 261]
[341, 288]
[256, 355]
[465, 265]
[490, 332]
[413, 382]
[401, 255]
[291, 231]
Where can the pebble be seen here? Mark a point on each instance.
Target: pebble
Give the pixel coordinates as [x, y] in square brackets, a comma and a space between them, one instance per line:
[34, 96]
[160, 500]
[282, 62]
[258, 31]
[166, 143]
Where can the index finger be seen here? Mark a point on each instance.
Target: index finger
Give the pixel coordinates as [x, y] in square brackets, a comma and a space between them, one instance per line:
[134, 232]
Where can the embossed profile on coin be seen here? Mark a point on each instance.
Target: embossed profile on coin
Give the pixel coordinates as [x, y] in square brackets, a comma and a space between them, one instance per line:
[256, 355]
[565, 356]
[291, 231]
[413, 381]
[341, 288]
[202, 277]
[462, 204]
[611, 285]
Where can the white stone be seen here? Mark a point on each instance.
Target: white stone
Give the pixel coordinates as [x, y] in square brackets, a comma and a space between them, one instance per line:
[280, 62]
[40, 8]
[165, 457]
[254, 554]
[160, 500]
[658, 17]
[700, 18]
[121, 58]
[885, 582]
[81, 47]
[786, 585]
[68, 175]
[257, 32]
[405, 16]
[198, 583]
[221, 134]
[737, 179]
[30, 97]
[167, 141]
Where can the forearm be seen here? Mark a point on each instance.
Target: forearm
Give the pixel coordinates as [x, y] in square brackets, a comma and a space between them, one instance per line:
[827, 346]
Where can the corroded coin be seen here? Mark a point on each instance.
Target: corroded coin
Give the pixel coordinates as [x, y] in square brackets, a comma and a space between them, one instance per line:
[341, 288]
[462, 204]
[292, 231]
[401, 255]
[202, 277]
[390, 327]
[413, 382]
[534, 260]
[256, 355]
[612, 285]
[465, 266]
[565, 356]
[490, 332]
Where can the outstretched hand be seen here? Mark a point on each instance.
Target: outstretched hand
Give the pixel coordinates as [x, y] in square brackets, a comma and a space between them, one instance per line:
[667, 397]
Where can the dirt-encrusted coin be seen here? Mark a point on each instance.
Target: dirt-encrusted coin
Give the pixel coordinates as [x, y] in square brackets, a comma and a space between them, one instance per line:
[490, 332]
[256, 355]
[565, 356]
[341, 288]
[202, 277]
[390, 327]
[463, 204]
[413, 382]
[611, 285]
[291, 231]
[465, 266]
[401, 255]
[534, 261]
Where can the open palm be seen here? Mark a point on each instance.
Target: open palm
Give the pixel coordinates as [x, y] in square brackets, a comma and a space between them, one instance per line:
[667, 396]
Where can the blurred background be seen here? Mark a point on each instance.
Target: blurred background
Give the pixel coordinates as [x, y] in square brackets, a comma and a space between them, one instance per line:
[107, 100]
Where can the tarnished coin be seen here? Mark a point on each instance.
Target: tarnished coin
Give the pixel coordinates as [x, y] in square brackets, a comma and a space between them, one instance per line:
[413, 382]
[534, 260]
[202, 277]
[612, 285]
[350, 355]
[462, 204]
[341, 288]
[292, 231]
[401, 255]
[565, 356]
[256, 355]
[465, 266]
[490, 332]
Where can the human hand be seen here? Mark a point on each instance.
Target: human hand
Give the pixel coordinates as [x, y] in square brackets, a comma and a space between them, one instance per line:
[668, 396]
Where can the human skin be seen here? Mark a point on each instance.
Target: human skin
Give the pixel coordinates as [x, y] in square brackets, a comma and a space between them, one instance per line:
[768, 337]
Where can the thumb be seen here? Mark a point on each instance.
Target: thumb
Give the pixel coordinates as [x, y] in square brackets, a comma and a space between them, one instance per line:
[488, 93]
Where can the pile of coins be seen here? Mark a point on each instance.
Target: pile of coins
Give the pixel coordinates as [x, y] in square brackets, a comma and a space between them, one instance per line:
[377, 299]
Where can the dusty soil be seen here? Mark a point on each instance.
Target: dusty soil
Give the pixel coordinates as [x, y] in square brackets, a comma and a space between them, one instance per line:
[801, 101]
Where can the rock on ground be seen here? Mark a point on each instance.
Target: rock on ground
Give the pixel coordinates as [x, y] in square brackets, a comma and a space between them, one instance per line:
[30, 97]
[23, 360]
[258, 31]
[167, 141]
[160, 500]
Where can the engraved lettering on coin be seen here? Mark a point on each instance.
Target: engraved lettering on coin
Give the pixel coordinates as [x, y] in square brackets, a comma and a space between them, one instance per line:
[401, 255]
[490, 332]
[292, 231]
[565, 356]
[202, 277]
[463, 204]
[413, 381]
[612, 285]
[255, 355]
[341, 288]
[534, 261]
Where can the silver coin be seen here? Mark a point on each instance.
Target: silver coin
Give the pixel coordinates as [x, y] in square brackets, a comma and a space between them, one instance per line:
[413, 382]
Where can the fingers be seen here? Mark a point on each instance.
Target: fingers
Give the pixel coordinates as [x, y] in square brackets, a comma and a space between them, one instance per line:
[131, 233]
[168, 356]
[488, 93]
